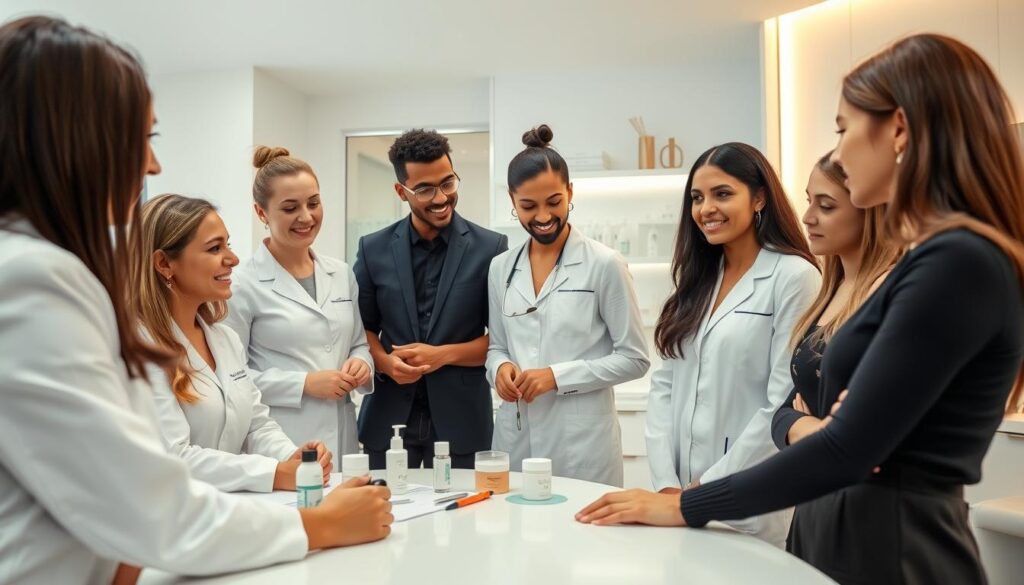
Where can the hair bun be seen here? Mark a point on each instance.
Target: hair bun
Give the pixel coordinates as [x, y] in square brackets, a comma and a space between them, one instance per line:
[539, 137]
[265, 154]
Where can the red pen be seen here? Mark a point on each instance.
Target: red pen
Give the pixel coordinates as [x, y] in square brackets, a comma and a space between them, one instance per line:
[468, 500]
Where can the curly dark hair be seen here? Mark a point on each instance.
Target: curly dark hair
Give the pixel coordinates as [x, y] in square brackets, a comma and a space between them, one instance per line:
[418, 145]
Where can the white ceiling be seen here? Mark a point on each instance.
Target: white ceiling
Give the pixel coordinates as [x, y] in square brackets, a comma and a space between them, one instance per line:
[327, 47]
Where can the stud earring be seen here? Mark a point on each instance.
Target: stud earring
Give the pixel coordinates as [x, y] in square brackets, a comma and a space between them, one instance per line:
[899, 158]
[168, 283]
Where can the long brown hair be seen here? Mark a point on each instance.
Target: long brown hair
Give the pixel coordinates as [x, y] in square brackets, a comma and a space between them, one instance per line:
[695, 261]
[169, 222]
[963, 167]
[877, 257]
[74, 113]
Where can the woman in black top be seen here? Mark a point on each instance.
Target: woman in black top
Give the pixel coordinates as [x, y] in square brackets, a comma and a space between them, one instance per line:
[929, 360]
[855, 261]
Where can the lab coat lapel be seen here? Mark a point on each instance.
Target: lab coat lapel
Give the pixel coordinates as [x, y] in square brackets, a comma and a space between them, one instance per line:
[522, 280]
[284, 283]
[403, 268]
[457, 243]
[232, 435]
[763, 267]
[322, 277]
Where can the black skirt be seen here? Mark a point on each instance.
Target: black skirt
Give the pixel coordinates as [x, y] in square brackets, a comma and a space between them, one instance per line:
[892, 529]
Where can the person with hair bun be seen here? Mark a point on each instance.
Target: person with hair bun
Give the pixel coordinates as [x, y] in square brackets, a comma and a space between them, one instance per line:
[297, 313]
[565, 328]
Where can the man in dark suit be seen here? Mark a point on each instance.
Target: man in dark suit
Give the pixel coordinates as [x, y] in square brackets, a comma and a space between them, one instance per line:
[423, 299]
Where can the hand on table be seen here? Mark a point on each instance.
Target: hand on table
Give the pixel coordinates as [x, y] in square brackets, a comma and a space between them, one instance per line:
[634, 507]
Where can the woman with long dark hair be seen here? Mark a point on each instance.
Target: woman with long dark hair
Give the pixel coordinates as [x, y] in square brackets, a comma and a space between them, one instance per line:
[85, 479]
[743, 276]
[923, 370]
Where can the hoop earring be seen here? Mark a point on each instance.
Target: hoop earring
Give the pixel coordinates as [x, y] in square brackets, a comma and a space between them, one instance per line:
[514, 214]
[757, 218]
[572, 206]
[266, 226]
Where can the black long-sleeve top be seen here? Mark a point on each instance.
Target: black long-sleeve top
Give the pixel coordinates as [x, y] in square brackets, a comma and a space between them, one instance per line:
[805, 367]
[929, 360]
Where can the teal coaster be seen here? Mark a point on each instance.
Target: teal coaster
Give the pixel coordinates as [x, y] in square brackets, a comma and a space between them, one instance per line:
[518, 499]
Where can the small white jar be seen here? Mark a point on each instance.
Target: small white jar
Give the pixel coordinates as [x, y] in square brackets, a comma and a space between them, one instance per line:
[354, 465]
[536, 479]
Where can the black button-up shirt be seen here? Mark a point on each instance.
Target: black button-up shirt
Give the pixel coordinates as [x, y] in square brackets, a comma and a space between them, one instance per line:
[427, 263]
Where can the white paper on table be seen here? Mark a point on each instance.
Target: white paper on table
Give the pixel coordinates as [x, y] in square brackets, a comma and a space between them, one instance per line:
[422, 497]
[422, 503]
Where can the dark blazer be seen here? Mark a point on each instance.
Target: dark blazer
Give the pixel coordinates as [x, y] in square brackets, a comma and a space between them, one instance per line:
[460, 398]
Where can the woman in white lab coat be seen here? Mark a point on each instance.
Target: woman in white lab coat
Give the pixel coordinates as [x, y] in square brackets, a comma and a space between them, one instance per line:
[85, 479]
[743, 276]
[210, 410]
[564, 329]
[297, 312]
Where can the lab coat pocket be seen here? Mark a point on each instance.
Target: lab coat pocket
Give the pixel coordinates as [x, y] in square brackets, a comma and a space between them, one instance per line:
[574, 311]
[592, 441]
[506, 434]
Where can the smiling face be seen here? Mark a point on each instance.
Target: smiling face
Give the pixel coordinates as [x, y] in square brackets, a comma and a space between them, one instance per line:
[834, 226]
[293, 212]
[722, 206]
[432, 214]
[542, 204]
[201, 273]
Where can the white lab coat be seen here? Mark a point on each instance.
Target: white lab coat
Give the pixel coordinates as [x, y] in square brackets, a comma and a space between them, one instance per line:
[85, 480]
[227, 437]
[709, 414]
[288, 334]
[587, 328]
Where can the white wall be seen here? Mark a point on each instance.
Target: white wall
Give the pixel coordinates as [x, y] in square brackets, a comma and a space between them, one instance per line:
[279, 119]
[330, 118]
[818, 45]
[709, 101]
[205, 121]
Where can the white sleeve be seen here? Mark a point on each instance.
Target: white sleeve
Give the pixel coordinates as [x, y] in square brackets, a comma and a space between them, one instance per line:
[229, 472]
[794, 293]
[360, 347]
[280, 388]
[620, 312]
[662, 443]
[70, 436]
[497, 337]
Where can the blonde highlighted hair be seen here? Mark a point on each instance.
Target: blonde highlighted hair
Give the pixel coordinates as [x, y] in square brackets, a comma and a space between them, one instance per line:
[168, 223]
[877, 257]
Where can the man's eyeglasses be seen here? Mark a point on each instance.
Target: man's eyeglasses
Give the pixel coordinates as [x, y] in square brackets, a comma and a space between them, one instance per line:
[428, 192]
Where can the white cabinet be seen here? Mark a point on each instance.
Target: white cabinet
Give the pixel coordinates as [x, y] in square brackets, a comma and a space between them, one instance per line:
[1002, 472]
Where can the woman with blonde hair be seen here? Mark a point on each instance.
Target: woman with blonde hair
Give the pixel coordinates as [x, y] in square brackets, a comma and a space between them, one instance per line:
[855, 260]
[922, 371]
[209, 408]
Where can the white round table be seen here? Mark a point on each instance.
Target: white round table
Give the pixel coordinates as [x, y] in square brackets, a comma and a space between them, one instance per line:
[499, 542]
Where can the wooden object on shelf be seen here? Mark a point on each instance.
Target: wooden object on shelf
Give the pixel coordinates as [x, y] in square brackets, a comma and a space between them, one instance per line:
[671, 148]
[646, 159]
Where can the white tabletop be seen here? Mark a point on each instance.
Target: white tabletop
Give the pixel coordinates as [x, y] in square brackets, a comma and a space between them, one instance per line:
[498, 542]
